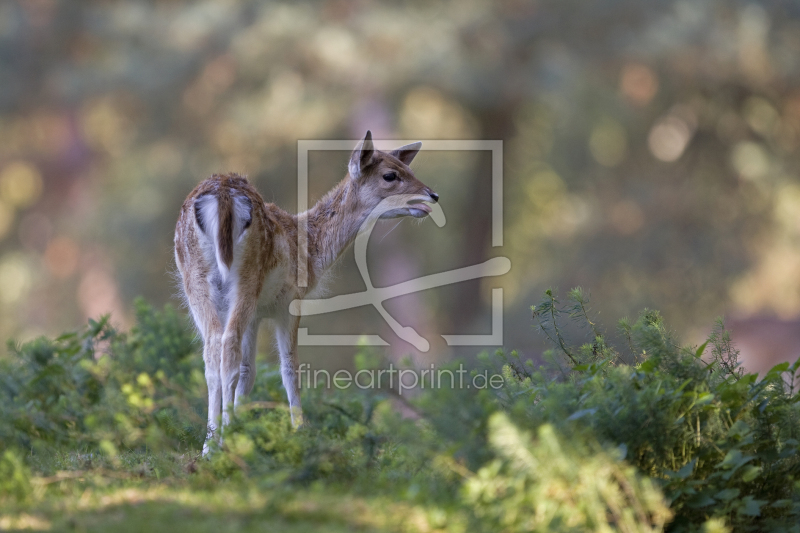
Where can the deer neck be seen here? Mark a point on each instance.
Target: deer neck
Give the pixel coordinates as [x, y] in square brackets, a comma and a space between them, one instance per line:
[333, 225]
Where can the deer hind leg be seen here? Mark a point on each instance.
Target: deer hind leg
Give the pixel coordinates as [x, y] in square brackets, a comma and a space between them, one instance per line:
[201, 302]
[212, 348]
[240, 320]
[286, 335]
[231, 290]
[247, 369]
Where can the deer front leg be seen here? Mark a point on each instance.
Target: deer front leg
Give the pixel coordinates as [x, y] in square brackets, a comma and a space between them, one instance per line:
[286, 334]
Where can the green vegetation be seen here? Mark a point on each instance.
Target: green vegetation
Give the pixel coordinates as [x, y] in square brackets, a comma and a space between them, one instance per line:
[103, 429]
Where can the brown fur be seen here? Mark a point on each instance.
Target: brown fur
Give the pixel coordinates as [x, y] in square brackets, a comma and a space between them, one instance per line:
[269, 250]
[225, 237]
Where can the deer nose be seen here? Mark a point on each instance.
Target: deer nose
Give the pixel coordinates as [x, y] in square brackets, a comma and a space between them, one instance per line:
[433, 195]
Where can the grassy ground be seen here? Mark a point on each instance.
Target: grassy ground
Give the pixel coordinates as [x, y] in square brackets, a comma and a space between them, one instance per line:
[94, 502]
[102, 431]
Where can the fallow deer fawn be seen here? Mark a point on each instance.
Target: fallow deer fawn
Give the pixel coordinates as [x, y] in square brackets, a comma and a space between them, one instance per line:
[238, 260]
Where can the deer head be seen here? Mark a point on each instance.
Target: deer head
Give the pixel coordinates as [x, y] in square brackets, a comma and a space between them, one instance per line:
[376, 176]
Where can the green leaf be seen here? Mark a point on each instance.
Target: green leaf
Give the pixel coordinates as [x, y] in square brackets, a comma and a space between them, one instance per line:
[580, 414]
[763, 405]
[727, 494]
[734, 459]
[748, 379]
[700, 350]
[751, 506]
[777, 370]
[739, 429]
[750, 473]
[683, 385]
[705, 398]
[781, 503]
[687, 469]
[648, 365]
[701, 500]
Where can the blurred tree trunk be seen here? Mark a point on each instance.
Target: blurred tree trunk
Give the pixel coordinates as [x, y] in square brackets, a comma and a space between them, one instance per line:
[496, 123]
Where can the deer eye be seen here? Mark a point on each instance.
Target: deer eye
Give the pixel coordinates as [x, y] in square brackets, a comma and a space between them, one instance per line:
[391, 176]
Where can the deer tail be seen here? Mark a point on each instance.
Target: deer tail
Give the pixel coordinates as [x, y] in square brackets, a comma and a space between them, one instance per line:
[225, 231]
[223, 218]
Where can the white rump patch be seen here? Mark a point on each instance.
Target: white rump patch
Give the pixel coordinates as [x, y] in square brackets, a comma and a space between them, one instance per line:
[207, 207]
[207, 210]
[242, 216]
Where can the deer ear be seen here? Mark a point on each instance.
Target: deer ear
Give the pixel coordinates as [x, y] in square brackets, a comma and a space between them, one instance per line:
[362, 156]
[407, 153]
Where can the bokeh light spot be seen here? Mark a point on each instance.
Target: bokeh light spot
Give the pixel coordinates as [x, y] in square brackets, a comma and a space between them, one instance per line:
[760, 115]
[545, 189]
[15, 278]
[427, 113]
[669, 138]
[337, 48]
[20, 184]
[608, 143]
[98, 293]
[6, 219]
[61, 257]
[105, 127]
[638, 83]
[750, 160]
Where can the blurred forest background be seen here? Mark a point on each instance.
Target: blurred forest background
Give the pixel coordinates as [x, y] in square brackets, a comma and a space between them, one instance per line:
[650, 151]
